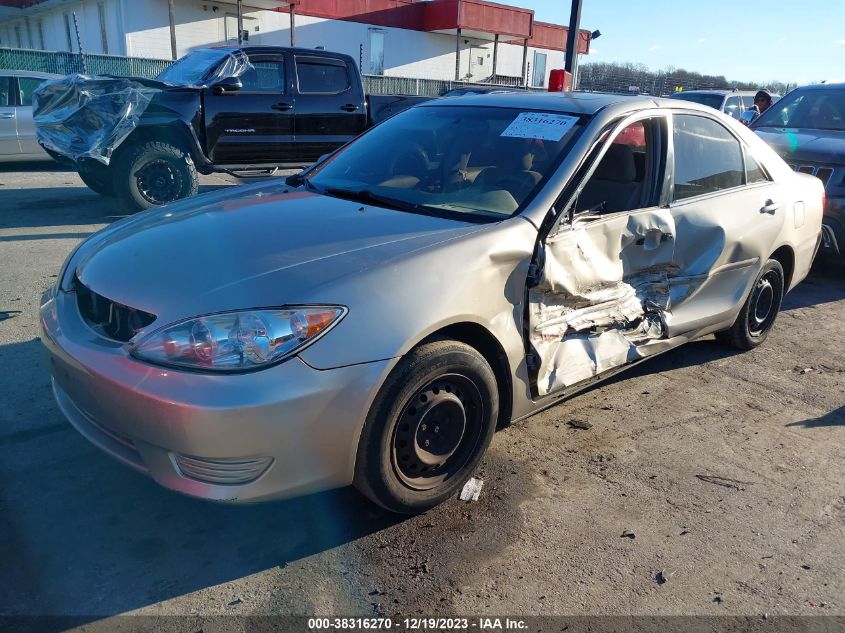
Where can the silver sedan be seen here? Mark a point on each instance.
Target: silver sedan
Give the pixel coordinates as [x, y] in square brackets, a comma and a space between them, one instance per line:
[17, 129]
[372, 320]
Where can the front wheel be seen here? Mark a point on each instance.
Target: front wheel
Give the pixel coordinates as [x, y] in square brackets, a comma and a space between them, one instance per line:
[155, 173]
[759, 311]
[428, 427]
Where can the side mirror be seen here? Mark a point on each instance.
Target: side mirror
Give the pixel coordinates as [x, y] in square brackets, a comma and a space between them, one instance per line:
[227, 85]
[748, 117]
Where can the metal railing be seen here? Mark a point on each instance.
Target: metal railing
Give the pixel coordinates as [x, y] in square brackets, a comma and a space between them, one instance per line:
[389, 85]
[64, 63]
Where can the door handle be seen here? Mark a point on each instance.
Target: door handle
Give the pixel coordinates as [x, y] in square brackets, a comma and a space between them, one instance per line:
[349, 107]
[770, 206]
[6, 115]
[282, 106]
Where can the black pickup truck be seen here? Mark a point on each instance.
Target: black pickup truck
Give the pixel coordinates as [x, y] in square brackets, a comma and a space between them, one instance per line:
[227, 109]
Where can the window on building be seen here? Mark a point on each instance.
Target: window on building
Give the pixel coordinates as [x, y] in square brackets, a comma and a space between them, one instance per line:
[376, 66]
[68, 32]
[707, 157]
[321, 77]
[39, 25]
[538, 78]
[18, 38]
[104, 36]
[480, 61]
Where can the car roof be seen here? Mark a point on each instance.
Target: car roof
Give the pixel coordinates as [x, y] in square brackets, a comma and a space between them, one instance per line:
[573, 102]
[587, 103]
[275, 49]
[29, 73]
[680, 95]
[833, 86]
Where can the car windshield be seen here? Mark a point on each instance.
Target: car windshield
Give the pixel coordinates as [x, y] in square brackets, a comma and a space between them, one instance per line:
[194, 68]
[714, 101]
[446, 160]
[822, 109]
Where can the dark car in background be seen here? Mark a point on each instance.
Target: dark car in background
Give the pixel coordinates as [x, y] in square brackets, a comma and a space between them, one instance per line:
[807, 129]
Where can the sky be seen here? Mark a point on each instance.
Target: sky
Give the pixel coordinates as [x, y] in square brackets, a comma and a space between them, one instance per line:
[795, 41]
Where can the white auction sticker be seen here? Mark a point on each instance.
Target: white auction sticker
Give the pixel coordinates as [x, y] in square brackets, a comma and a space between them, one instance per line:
[541, 125]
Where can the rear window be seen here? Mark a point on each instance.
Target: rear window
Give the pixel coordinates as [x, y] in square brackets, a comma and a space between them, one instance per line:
[27, 86]
[5, 92]
[320, 77]
[714, 101]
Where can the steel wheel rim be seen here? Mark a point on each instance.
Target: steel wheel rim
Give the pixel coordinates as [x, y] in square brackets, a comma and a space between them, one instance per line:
[762, 309]
[158, 181]
[447, 413]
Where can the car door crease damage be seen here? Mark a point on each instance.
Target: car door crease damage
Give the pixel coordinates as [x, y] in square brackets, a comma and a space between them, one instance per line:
[592, 310]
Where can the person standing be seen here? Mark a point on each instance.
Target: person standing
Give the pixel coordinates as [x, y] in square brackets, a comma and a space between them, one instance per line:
[763, 100]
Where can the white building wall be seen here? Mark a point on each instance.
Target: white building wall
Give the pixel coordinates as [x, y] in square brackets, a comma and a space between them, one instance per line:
[140, 28]
[52, 23]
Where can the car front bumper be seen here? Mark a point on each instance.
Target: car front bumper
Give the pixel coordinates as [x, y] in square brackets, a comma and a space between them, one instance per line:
[279, 432]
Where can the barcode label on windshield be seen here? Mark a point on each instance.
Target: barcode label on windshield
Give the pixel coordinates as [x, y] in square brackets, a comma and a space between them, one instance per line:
[540, 125]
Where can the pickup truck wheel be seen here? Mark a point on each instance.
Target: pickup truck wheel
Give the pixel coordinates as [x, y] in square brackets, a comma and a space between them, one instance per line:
[98, 177]
[428, 427]
[155, 173]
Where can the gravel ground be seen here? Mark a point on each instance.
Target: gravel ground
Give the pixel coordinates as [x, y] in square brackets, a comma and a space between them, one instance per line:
[709, 482]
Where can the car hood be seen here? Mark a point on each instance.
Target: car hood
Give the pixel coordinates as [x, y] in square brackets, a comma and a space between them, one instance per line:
[803, 144]
[256, 246]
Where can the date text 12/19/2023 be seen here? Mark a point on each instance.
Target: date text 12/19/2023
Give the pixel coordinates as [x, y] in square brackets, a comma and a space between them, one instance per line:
[416, 624]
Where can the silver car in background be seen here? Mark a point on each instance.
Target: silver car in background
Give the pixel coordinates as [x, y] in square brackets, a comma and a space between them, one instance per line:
[456, 268]
[17, 130]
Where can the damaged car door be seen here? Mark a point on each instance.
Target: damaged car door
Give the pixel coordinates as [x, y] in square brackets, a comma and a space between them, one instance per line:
[727, 212]
[599, 291]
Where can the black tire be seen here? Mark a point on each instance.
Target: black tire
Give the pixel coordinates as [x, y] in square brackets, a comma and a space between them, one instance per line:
[98, 178]
[442, 397]
[154, 173]
[760, 310]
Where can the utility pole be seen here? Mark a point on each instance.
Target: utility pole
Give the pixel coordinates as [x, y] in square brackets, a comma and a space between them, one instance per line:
[172, 17]
[240, 23]
[572, 38]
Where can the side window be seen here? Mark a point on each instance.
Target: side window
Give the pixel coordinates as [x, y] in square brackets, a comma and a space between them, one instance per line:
[266, 75]
[747, 102]
[753, 171]
[620, 182]
[707, 157]
[27, 86]
[732, 107]
[5, 92]
[321, 77]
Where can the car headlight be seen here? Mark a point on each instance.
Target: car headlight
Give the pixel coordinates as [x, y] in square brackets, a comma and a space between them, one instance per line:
[237, 341]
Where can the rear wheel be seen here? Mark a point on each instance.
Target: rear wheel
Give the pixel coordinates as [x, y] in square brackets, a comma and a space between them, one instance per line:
[98, 178]
[428, 428]
[760, 310]
[155, 173]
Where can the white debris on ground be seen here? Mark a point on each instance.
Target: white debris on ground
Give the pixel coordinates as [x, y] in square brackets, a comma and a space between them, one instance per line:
[471, 490]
